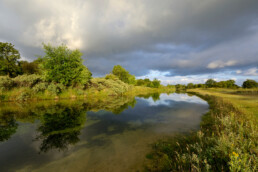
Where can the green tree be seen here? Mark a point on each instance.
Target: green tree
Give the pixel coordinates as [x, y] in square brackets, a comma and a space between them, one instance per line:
[250, 84]
[9, 56]
[156, 83]
[65, 66]
[210, 83]
[123, 75]
[190, 85]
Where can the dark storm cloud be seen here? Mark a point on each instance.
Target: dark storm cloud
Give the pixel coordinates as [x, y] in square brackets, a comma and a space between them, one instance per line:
[180, 36]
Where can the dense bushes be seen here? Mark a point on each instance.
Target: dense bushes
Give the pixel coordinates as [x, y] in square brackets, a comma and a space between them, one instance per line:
[148, 83]
[27, 80]
[116, 86]
[250, 84]
[123, 75]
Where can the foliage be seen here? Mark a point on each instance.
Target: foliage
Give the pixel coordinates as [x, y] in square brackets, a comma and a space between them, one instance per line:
[156, 83]
[40, 87]
[210, 83]
[148, 83]
[250, 84]
[123, 75]
[190, 85]
[27, 80]
[65, 66]
[6, 83]
[55, 89]
[180, 87]
[115, 87]
[111, 76]
[30, 67]
[25, 95]
[9, 56]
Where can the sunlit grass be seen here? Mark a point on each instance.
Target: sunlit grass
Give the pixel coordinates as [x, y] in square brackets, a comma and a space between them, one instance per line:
[227, 140]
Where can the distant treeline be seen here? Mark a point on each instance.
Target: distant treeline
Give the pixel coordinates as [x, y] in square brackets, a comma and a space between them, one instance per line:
[211, 83]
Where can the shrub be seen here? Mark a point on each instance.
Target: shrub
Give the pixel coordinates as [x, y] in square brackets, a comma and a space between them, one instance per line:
[27, 80]
[24, 96]
[111, 76]
[40, 87]
[55, 88]
[250, 84]
[6, 83]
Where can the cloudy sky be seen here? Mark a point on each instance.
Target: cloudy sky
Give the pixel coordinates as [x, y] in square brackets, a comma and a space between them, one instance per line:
[177, 41]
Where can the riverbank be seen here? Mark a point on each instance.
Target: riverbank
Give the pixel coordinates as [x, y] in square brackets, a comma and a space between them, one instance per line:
[33, 88]
[227, 140]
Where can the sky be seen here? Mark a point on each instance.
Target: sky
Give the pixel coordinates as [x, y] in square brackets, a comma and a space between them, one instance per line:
[176, 41]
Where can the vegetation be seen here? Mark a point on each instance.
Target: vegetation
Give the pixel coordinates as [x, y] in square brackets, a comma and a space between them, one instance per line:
[65, 66]
[123, 75]
[227, 140]
[250, 84]
[9, 56]
[148, 83]
[61, 74]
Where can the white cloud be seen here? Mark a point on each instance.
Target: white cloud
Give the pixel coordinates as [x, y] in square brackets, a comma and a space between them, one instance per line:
[221, 64]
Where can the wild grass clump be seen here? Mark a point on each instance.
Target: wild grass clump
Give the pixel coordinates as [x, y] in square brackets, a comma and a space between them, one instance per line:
[227, 141]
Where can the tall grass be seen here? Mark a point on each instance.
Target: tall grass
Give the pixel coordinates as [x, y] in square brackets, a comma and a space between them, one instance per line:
[227, 141]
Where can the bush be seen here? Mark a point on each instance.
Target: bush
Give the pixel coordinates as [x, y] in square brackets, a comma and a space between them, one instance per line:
[250, 84]
[116, 86]
[111, 76]
[27, 80]
[40, 87]
[6, 83]
[55, 88]
[24, 96]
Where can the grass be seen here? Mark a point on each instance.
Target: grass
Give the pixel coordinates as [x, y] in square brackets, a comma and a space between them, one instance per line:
[227, 140]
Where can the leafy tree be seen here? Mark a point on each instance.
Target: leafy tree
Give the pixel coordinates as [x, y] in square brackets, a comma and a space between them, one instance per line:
[250, 84]
[156, 83]
[210, 83]
[190, 85]
[123, 75]
[65, 66]
[9, 56]
[29, 67]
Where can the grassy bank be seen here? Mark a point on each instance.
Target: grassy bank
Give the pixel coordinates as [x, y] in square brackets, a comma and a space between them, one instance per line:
[227, 140]
[33, 87]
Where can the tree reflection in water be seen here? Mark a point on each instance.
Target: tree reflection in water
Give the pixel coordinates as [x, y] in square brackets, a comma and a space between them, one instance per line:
[61, 128]
[8, 125]
[60, 122]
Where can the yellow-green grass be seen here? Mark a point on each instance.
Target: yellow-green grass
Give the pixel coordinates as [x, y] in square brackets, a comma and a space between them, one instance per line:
[246, 103]
[227, 140]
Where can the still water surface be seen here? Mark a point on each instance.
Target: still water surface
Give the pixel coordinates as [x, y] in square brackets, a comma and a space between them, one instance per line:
[110, 135]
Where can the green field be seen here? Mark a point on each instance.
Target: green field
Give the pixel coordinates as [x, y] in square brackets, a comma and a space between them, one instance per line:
[227, 140]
